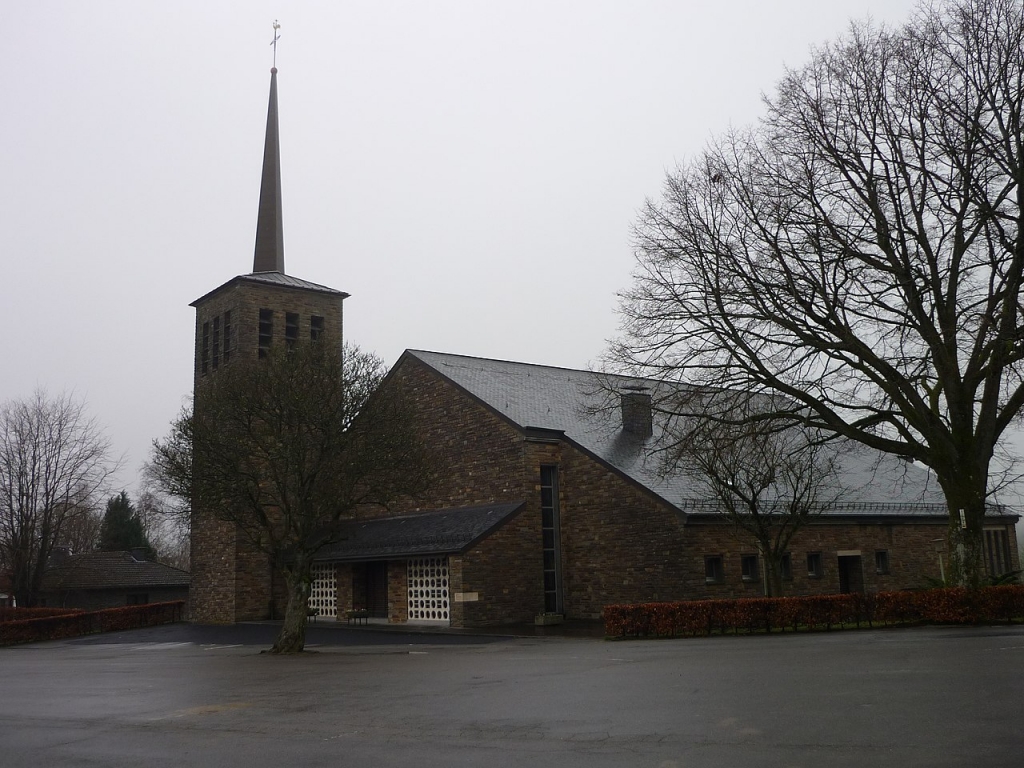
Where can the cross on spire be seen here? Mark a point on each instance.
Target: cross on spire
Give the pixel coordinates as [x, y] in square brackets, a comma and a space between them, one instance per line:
[277, 36]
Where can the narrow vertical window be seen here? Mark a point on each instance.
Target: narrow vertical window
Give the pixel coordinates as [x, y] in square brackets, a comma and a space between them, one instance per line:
[291, 329]
[266, 331]
[205, 356]
[814, 569]
[748, 568]
[550, 534]
[714, 573]
[997, 552]
[216, 342]
[882, 562]
[786, 567]
[316, 327]
[227, 335]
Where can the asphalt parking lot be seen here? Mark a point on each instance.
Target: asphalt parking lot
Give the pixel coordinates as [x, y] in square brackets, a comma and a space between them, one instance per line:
[198, 696]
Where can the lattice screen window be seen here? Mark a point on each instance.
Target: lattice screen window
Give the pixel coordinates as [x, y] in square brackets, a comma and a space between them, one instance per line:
[323, 595]
[428, 589]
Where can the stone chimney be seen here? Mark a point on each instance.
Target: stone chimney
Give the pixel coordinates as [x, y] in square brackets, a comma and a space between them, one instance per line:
[637, 413]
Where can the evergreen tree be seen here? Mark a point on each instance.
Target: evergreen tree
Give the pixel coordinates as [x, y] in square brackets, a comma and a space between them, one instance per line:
[122, 528]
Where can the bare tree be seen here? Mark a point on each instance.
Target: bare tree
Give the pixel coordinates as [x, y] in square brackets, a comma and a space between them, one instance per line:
[287, 448]
[165, 496]
[860, 251]
[54, 464]
[164, 522]
[81, 531]
[767, 479]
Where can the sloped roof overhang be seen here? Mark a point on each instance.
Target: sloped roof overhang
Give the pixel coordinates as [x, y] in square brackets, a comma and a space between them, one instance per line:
[427, 533]
[273, 279]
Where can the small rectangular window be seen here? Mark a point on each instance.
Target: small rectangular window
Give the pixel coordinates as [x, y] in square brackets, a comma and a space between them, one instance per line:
[216, 342]
[138, 598]
[713, 571]
[786, 567]
[814, 569]
[266, 331]
[291, 329]
[205, 356]
[748, 568]
[227, 335]
[316, 327]
[882, 562]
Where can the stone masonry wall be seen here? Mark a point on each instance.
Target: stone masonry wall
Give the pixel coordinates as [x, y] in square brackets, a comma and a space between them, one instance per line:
[619, 542]
[230, 581]
[252, 583]
[343, 573]
[479, 456]
[481, 460]
[398, 594]
[212, 587]
[913, 552]
[503, 574]
[245, 300]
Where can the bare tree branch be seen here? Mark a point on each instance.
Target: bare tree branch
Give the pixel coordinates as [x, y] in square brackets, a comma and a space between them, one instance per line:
[860, 252]
[54, 466]
[288, 447]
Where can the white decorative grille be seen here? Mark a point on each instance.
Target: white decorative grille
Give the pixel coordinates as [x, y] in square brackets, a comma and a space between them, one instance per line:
[323, 593]
[428, 589]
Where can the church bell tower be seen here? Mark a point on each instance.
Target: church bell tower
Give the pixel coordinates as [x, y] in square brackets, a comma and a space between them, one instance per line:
[245, 318]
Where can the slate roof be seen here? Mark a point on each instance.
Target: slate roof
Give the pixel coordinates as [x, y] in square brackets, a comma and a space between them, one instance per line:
[273, 278]
[564, 400]
[288, 281]
[434, 532]
[111, 570]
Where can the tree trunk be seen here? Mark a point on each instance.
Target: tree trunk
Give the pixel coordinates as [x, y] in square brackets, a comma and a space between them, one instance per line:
[292, 638]
[965, 546]
[775, 580]
[773, 571]
[964, 539]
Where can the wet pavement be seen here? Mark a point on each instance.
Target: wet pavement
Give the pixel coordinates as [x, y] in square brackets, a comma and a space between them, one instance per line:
[204, 696]
[331, 633]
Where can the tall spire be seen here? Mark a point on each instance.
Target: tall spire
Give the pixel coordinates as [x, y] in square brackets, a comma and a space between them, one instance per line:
[269, 224]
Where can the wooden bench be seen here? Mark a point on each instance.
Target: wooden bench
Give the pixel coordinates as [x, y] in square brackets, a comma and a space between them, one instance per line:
[356, 615]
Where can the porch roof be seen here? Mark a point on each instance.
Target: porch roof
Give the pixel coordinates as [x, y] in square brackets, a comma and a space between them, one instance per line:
[431, 532]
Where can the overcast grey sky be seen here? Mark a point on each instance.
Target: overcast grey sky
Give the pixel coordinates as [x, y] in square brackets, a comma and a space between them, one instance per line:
[468, 171]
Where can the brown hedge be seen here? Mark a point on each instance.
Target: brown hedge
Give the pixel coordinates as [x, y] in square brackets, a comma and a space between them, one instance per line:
[21, 614]
[768, 614]
[87, 623]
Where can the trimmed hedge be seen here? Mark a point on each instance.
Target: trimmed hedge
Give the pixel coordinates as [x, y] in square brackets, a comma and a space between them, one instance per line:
[92, 622]
[21, 614]
[954, 605]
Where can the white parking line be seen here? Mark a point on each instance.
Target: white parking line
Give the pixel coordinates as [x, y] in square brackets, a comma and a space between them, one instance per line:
[158, 646]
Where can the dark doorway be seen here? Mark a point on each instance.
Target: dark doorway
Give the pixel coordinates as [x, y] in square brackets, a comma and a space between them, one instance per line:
[851, 574]
[370, 588]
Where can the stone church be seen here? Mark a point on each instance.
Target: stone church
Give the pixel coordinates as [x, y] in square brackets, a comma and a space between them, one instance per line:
[546, 508]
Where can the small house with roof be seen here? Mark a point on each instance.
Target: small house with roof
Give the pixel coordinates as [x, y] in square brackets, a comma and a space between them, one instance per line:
[96, 580]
